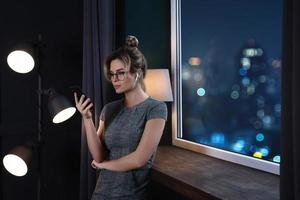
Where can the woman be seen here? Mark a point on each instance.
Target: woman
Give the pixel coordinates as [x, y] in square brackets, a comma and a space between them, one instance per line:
[129, 131]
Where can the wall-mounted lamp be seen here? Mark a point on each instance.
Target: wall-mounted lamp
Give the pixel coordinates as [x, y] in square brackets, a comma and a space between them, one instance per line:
[158, 85]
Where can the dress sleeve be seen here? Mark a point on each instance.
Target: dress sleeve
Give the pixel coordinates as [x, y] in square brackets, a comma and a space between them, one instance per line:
[102, 115]
[158, 111]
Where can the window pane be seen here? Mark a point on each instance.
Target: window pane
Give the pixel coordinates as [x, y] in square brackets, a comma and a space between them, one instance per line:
[231, 74]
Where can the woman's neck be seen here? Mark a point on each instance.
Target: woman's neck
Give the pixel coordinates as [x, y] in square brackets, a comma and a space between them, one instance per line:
[135, 96]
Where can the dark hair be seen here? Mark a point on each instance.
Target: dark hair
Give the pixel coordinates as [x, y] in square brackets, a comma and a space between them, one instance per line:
[131, 56]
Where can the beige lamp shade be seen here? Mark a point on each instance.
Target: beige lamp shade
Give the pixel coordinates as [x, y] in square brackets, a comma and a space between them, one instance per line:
[158, 85]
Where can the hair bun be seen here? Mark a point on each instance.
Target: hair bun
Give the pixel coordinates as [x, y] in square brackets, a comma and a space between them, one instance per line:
[132, 41]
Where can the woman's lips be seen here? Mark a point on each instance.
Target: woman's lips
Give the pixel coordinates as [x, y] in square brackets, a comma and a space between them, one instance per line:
[117, 86]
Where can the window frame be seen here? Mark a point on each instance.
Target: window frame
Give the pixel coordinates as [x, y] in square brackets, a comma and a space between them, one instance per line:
[248, 161]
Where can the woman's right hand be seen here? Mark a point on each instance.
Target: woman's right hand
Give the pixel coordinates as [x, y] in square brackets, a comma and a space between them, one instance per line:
[83, 106]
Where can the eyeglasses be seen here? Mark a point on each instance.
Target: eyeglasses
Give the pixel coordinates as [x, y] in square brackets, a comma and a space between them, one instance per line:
[119, 75]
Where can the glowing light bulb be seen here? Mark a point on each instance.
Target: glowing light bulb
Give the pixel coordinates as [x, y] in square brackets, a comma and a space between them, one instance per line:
[239, 145]
[260, 137]
[194, 61]
[264, 151]
[257, 155]
[234, 95]
[243, 72]
[246, 63]
[276, 159]
[201, 92]
[64, 115]
[15, 165]
[20, 61]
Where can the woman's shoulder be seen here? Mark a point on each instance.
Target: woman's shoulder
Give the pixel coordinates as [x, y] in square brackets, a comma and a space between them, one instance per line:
[156, 109]
[153, 102]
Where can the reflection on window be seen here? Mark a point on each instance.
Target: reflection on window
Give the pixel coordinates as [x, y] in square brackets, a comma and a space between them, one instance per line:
[230, 75]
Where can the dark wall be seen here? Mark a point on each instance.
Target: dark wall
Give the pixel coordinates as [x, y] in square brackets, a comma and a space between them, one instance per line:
[60, 24]
[149, 21]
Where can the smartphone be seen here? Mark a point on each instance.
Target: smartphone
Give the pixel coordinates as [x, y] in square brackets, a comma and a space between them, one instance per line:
[77, 89]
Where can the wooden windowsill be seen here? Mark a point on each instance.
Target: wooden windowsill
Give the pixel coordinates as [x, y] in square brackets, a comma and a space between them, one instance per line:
[198, 176]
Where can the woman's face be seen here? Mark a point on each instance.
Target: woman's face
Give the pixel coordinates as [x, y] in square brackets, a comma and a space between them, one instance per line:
[122, 80]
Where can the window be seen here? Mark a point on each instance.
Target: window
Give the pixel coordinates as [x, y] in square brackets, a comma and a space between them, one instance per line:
[226, 64]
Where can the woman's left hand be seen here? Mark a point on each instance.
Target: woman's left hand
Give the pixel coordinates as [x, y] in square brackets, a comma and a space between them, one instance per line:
[96, 165]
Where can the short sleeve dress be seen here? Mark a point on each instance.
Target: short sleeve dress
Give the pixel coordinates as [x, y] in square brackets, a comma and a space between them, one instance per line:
[122, 137]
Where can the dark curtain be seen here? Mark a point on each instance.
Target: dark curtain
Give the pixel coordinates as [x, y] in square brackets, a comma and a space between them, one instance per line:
[290, 137]
[98, 42]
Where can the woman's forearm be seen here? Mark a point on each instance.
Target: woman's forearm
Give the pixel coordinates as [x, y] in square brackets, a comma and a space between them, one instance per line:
[94, 143]
[125, 163]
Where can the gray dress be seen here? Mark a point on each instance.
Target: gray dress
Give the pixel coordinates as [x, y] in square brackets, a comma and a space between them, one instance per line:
[121, 137]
